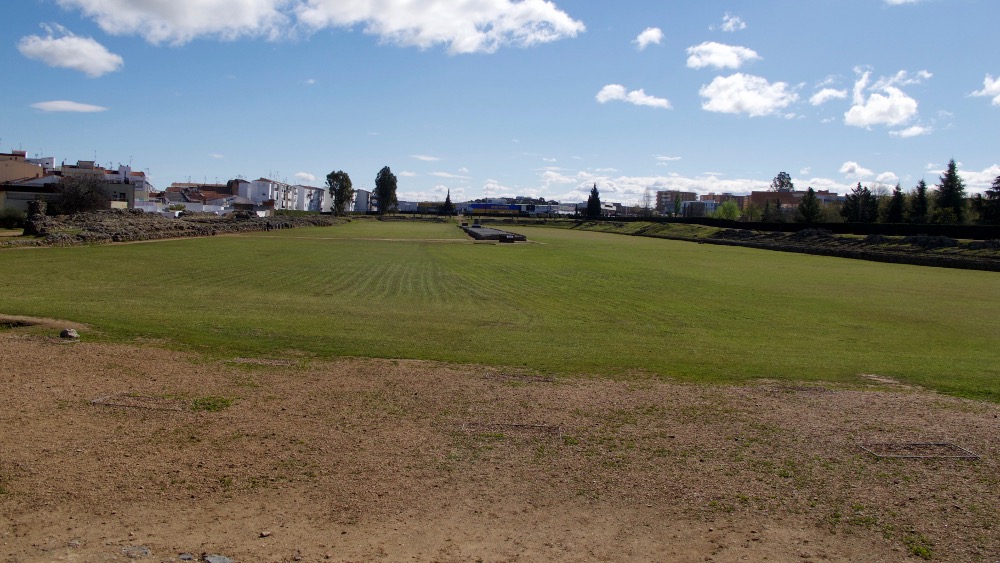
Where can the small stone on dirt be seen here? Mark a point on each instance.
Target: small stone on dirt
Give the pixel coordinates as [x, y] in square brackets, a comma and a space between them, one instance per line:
[216, 559]
[136, 551]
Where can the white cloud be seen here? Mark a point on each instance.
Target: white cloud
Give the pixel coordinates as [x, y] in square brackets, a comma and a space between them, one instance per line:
[310, 81]
[744, 93]
[64, 105]
[449, 175]
[991, 87]
[976, 181]
[406, 174]
[465, 27]
[649, 36]
[887, 178]
[892, 108]
[216, 156]
[732, 23]
[805, 171]
[180, 21]
[663, 159]
[70, 51]
[914, 131]
[425, 157]
[827, 94]
[617, 92]
[305, 177]
[851, 169]
[900, 2]
[719, 55]
[886, 104]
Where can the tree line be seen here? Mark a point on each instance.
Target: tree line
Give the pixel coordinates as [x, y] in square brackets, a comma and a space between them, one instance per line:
[945, 204]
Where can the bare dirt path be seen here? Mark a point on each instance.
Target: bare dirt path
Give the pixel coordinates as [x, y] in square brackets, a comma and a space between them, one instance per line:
[362, 460]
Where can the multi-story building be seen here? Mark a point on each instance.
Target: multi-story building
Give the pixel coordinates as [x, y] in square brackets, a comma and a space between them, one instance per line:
[666, 200]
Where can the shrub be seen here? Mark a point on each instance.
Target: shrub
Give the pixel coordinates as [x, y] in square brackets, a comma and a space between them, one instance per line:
[12, 218]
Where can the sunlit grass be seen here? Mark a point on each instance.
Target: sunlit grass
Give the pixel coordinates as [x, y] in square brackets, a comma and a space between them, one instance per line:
[570, 301]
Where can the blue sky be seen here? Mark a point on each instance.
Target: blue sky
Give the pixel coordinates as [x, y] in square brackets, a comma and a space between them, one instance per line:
[496, 97]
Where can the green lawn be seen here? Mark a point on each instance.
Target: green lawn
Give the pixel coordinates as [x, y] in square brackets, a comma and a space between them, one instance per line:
[571, 301]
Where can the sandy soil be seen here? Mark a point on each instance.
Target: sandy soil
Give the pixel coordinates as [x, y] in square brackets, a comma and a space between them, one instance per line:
[103, 457]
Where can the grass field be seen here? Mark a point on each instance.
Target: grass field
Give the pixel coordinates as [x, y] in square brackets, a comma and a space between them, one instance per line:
[569, 302]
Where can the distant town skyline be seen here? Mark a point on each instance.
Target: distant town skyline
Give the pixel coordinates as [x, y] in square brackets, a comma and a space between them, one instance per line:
[505, 98]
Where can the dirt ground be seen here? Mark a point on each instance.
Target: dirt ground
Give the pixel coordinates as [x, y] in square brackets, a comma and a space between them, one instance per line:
[116, 452]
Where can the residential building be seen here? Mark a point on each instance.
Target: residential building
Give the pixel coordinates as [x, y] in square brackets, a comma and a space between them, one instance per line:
[15, 167]
[665, 200]
[791, 200]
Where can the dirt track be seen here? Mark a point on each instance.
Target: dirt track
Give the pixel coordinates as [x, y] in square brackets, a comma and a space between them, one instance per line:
[360, 460]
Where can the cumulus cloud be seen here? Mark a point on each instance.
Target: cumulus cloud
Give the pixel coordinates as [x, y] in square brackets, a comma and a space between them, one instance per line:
[853, 170]
[649, 36]
[827, 94]
[617, 93]
[464, 27]
[732, 23]
[882, 103]
[67, 106]
[887, 178]
[305, 177]
[991, 88]
[976, 181]
[60, 48]
[744, 93]
[719, 55]
[180, 21]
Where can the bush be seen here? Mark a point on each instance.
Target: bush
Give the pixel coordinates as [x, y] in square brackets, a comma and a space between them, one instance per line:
[12, 218]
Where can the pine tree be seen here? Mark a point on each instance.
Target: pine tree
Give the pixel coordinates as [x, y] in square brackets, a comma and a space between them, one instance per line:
[990, 210]
[896, 206]
[860, 206]
[949, 198]
[809, 208]
[917, 210]
[594, 204]
[448, 208]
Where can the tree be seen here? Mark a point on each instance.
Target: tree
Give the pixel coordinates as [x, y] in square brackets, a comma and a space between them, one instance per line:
[917, 210]
[950, 195]
[448, 208]
[647, 202]
[987, 204]
[594, 203]
[773, 212]
[809, 208]
[341, 189]
[727, 210]
[860, 206]
[80, 194]
[385, 190]
[895, 207]
[782, 183]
